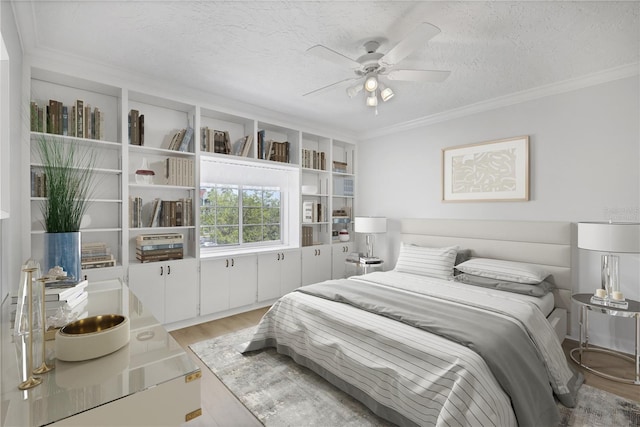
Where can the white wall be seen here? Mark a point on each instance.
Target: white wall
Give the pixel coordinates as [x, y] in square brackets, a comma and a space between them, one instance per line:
[10, 228]
[584, 157]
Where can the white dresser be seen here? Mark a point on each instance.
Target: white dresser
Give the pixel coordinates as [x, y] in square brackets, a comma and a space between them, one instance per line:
[150, 381]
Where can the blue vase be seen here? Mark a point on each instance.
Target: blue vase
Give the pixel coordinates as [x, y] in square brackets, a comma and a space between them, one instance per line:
[64, 250]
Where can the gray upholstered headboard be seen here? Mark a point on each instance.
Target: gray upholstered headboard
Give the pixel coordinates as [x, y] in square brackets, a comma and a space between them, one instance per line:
[538, 242]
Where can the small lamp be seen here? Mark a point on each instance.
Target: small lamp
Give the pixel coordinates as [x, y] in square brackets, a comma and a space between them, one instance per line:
[370, 225]
[620, 237]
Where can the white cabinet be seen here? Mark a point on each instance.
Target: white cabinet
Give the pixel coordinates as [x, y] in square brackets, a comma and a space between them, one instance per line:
[168, 288]
[316, 264]
[278, 273]
[227, 283]
[340, 269]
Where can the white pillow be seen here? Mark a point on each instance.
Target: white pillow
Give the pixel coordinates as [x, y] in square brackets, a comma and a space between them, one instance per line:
[432, 262]
[512, 271]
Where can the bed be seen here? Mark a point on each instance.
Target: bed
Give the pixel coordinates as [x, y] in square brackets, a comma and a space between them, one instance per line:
[419, 348]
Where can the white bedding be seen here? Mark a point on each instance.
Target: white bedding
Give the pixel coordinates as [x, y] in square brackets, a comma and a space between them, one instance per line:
[425, 378]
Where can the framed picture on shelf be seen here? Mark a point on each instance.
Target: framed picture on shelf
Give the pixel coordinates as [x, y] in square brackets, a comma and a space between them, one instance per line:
[488, 171]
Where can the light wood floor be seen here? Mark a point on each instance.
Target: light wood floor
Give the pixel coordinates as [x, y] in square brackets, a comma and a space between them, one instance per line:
[221, 408]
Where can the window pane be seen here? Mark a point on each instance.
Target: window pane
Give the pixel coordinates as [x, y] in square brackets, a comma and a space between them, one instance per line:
[252, 233]
[251, 216]
[251, 197]
[271, 199]
[271, 215]
[227, 196]
[228, 236]
[222, 209]
[272, 232]
[227, 216]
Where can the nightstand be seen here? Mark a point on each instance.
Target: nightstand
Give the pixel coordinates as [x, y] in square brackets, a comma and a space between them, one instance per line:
[632, 311]
[363, 267]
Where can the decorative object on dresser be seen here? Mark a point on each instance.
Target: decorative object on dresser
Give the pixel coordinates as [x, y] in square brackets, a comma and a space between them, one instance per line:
[70, 182]
[370, 225]
[489, 171]
[609, 237]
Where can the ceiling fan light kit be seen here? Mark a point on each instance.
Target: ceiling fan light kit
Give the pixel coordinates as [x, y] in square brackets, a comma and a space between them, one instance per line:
[372, 100]
[371, 83]
[373, 65]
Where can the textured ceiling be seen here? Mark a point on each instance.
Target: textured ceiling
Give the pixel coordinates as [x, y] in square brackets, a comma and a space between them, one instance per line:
[254, 51]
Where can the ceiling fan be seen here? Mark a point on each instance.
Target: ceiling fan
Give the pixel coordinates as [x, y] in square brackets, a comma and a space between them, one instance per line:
[373, 66]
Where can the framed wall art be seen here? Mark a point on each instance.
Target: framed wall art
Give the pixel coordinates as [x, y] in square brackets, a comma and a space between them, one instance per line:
[488, 171]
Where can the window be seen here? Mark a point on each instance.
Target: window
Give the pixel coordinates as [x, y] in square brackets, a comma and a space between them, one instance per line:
[237, 215]
[247, 205]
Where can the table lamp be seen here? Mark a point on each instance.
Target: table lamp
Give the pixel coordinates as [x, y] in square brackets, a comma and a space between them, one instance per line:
[610, 237]
[370, 225]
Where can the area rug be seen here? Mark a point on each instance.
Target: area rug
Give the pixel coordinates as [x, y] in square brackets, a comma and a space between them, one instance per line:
[281, 393]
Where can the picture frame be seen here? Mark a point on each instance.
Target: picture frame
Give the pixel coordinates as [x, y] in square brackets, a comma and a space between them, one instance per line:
[491, 171]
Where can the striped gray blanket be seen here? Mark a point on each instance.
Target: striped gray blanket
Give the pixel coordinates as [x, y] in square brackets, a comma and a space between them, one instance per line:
[412, 375]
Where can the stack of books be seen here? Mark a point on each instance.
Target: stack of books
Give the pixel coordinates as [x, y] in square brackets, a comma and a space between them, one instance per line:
[159, 247]
[65, 295]
[96, 255]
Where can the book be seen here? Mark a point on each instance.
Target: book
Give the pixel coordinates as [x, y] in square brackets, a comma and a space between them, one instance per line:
[186, 140]
[167, 238]
[141, 129]
[134, 135]
[68, 303]
[153, 222]
[79, 118]
[370, 260]
[246, 146]
[59, 290]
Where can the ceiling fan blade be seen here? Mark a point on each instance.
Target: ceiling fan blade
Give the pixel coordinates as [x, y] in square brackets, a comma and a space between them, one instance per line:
[331, 86]
[331, 55]
[421, 35]
[429, 76]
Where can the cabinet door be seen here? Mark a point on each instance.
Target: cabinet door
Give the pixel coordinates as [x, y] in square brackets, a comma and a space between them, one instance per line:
[269, 273]
[316, 264]
[147, 281]
[339, 268]
[243, 280]
[290, 271]
[214, 287]
[181, 290]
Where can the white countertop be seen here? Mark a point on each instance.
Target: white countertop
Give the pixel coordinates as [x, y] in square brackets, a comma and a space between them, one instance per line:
[151, 357]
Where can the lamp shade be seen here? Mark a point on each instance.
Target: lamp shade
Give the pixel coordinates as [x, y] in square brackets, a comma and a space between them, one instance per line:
[370, 224]
[609, 237]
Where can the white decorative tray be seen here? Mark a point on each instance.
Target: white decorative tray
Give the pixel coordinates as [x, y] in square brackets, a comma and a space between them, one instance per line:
[609, 302]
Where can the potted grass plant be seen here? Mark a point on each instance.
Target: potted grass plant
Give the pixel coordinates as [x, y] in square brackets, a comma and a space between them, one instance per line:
[69, 182]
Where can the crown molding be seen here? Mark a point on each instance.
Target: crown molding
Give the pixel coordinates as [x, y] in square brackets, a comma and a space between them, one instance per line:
[594, 79]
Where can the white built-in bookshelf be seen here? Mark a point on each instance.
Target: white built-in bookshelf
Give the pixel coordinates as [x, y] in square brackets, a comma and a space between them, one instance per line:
[125, 204]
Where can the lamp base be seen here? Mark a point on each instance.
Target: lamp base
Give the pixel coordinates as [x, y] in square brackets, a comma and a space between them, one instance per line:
[609, 272]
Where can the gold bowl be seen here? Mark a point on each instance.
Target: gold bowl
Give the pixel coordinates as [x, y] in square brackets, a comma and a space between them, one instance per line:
[92, 337]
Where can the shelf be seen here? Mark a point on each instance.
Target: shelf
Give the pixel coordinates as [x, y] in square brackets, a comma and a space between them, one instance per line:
[42, 199]
[337, 196]
[82, 141]
[104, 171]
[315, 195]
[160, 186]
[162, 151]
[83, 230]
[312, 170]
[155, 229]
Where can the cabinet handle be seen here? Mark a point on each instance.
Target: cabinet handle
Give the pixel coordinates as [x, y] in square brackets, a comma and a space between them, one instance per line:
[232, 262]
[161, 270]
[283, 256]
[168, 270]
[278, 257]
[226, 266]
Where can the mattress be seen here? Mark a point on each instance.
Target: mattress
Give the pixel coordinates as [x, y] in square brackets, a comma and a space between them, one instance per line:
[405, 374]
